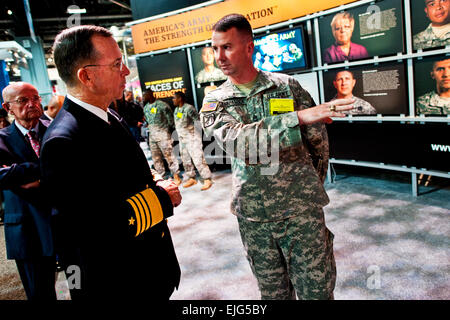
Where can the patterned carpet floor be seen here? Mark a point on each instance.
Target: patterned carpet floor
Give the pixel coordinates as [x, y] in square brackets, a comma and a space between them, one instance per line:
[388, 245]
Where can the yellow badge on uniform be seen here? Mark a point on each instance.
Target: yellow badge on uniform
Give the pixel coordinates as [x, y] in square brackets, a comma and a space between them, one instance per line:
[153, 110]
[281, 105]
[179, 115]
[209, 106]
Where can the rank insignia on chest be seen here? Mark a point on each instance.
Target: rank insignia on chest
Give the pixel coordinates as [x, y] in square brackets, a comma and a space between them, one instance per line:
[280, 106]
[209, 106]
[153, 110]
[179, 115]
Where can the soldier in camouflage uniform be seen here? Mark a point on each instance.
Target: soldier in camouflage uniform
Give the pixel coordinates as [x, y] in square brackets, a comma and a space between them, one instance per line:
[437, 102]
[437, 34]
[278, 203]
[191, 145]
[210, 73]
[344, 82]
[159, 118]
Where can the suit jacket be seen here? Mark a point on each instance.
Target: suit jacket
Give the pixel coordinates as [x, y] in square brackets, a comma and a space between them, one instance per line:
[27, 217]
[45, 117]
[91, 168]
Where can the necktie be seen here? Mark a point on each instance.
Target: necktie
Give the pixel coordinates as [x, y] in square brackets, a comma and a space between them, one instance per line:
[34, 141]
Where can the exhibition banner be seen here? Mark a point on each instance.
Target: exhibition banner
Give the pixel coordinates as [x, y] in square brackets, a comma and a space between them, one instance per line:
[196, 25]
[165, 74]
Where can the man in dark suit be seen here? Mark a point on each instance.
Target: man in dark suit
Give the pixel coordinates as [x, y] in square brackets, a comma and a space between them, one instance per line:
[28, 233]
[92, 164]
[53, 107]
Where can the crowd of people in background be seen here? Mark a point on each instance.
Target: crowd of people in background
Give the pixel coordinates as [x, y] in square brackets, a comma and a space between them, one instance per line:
[160, 120]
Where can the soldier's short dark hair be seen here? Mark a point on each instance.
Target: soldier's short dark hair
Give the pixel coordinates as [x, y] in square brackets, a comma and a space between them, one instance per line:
[148, 91]
[234, 20]
[181, 95]
[72, 47]
[335, 76]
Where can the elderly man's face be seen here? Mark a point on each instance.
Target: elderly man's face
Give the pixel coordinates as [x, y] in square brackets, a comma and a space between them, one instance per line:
[108, 71]
[441, 73]
[344, 83]
[23, 102]
[437, 11]
[342, 31]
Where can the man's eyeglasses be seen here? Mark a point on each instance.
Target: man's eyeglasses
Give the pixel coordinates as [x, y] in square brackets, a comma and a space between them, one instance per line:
[24, 100]
[117, 65]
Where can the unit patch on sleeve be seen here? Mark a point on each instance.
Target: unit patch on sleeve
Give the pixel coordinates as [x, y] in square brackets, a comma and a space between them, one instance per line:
[208, 119]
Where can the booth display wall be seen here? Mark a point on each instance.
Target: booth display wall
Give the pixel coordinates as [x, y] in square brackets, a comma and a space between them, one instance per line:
[391, 77]
[412, 145]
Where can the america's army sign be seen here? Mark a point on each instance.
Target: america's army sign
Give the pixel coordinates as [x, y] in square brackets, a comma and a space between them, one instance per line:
[196, 25]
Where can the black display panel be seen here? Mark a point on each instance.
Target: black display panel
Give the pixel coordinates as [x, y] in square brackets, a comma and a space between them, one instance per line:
[432, 85]
[427, 15]
[376, 30]
[165, 74]
[414, 145]
[144, 8]
[383, 87]
[281, 51]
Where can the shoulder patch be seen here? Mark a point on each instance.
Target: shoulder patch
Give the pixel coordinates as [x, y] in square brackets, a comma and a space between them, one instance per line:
[209, 106]
[208, 120]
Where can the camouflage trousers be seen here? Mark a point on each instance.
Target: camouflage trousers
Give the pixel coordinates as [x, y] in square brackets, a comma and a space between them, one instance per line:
[291, 256]
[191, 147]
[162, 146]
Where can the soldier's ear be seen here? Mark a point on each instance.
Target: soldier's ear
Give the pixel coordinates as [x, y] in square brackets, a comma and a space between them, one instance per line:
[250, 47]
[432, 75]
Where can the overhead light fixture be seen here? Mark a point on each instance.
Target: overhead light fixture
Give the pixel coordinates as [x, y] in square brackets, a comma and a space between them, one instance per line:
[75, 11]
[10, 12]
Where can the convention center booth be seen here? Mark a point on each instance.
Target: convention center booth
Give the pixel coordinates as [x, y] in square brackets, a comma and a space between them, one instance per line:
[396, 126]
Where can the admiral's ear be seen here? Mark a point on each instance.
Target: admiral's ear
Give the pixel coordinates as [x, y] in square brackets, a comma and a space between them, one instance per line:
[83, 76]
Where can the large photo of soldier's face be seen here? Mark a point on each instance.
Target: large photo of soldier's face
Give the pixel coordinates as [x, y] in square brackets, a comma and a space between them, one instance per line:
[432, 86]
[204, 66]
[379, 89]
[430, 23]
[362, 32]
[344, 82]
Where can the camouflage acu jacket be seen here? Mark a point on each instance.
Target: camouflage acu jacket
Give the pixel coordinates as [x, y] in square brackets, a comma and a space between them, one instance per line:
[278, 167]
[159, 117]
[431, 103]
[185, 118]
[216, 75]
[427, 39]
[360, 107]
